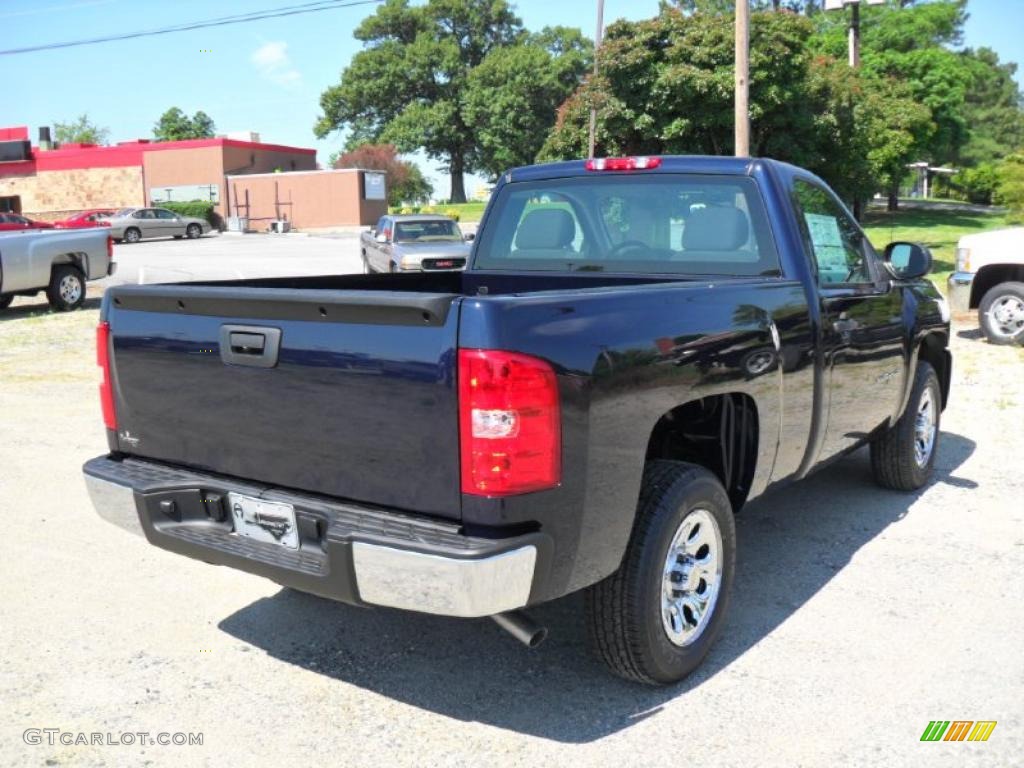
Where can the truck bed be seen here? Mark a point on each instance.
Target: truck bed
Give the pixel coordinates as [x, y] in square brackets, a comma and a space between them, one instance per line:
[362, 391]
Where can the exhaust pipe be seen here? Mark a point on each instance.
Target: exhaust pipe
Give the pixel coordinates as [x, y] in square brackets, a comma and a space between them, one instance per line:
[521, 627]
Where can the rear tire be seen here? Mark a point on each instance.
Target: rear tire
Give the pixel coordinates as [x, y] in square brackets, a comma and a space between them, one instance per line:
[66, 290]
[1001, 313]
[654, 620]
[902, 457]
[193, 231]
[5, 301]
[132, 235]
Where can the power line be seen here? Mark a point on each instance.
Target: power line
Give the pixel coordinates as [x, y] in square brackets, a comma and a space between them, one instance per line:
[271, 13]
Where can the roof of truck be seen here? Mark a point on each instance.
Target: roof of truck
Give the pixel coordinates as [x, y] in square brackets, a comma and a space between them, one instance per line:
[740, 166]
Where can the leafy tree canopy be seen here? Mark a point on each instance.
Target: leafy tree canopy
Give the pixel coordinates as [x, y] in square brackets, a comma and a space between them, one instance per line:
[666, 86]
[175, 125]
[81, 130]
[416, 85]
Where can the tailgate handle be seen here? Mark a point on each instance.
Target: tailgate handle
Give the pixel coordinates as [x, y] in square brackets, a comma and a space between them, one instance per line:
[247, 343]
[250, 345]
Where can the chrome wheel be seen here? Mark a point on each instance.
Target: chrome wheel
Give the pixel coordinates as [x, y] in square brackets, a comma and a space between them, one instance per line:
[924, 429]
[70, 289]
[760, 362]
[1007, 316]
[691, 578]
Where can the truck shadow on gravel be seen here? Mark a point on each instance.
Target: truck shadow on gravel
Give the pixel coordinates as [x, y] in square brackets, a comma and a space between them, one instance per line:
[791, 544]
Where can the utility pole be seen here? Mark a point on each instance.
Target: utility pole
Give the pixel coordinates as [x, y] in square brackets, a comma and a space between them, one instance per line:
[597, 46]
[853, 33]
[742, 78]
[854, 36]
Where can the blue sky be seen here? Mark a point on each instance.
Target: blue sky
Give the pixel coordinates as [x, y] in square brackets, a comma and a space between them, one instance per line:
[264, 76]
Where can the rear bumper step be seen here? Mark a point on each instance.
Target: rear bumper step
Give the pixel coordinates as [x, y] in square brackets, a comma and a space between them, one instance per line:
[354, 554]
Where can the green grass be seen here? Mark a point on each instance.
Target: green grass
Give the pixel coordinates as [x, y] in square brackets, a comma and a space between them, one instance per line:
[939, 230]
[468, 212]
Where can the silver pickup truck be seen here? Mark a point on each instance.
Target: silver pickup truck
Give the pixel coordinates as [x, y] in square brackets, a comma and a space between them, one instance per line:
[58, 262]
[414, 243]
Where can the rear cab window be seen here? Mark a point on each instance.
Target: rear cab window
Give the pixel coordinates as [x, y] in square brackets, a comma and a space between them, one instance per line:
[631, 223]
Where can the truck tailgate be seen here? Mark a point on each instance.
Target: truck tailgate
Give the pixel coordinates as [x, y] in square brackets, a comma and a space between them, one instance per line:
[359, 401]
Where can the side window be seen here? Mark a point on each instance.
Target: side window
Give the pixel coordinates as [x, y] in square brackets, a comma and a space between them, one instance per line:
[162, 213]
[840, 249]
[382, 223]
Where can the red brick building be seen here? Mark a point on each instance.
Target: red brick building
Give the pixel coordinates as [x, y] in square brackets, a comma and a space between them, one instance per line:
[51, 183]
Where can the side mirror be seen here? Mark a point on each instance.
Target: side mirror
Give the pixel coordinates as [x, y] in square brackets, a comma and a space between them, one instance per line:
[907, 261]
[469, 237]
[381, 238]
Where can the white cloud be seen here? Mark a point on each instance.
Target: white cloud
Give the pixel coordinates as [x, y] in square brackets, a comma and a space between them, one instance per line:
[273, 63]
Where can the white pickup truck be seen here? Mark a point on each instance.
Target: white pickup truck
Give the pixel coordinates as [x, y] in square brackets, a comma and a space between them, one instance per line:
[58, 262]
[989, 277]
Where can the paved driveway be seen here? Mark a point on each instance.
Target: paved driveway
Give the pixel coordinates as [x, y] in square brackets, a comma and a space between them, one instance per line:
[223, 257]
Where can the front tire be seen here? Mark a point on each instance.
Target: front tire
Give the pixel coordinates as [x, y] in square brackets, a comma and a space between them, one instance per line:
[1001, 313]
[654, 620]
[66, 290]
[5, 301]
[903, 456]
[193, 231]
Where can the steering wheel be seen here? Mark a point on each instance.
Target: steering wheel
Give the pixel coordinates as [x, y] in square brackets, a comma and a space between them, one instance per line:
[627, 245]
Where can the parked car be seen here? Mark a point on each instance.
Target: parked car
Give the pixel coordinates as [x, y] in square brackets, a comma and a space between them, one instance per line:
[59, 263]
[133, 224]
[96, 217]
[584, 408]
[15, 222]
[989, 277]
[414, 243]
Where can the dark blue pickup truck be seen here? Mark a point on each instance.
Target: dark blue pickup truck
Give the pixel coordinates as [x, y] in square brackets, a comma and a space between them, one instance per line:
[638, 347]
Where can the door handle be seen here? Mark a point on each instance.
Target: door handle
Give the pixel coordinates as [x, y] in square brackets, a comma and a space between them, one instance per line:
[250, 345]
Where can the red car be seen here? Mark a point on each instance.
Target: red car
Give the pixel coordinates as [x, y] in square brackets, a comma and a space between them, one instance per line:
[83, 219]
[14, 222]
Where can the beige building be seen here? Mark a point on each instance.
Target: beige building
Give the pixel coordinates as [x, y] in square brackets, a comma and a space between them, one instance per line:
[307, 199]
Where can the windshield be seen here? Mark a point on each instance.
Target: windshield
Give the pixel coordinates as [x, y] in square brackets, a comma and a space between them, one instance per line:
[426, 231]
[664, 223]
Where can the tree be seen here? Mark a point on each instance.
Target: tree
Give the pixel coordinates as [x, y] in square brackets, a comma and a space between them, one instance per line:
[511, 99]
[80, 131]
[994, 104]
[405, 182]
[914, 45]
[409, 85]
[1010, 191]
[666, 86]
[175, 125]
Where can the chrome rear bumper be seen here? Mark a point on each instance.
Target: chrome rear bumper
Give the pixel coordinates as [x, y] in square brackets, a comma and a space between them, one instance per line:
[362, 556]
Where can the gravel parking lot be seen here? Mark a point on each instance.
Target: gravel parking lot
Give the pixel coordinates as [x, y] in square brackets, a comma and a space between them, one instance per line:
[859, 614]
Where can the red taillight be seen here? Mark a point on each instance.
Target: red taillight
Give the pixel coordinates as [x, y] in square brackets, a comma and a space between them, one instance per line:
[103, 361]
[110, 246]
[622, 163]
[508, 423]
